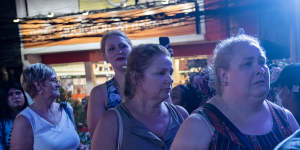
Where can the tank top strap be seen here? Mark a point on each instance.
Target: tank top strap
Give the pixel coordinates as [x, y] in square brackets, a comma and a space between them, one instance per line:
[224, 126]
[280, 117]
[28, 114]
[175, 114]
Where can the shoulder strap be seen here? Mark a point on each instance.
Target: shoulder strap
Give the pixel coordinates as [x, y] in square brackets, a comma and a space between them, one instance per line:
[172, 108]
[64, 105]
[225, 127]
[281, 118]
[120, 124]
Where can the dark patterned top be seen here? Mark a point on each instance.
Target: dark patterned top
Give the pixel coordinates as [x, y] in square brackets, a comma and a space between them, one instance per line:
[5, 133]
[113, 94]
[228, 137]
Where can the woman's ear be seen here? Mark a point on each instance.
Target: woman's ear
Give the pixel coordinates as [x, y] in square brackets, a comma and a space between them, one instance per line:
[37, 85]
[223, 74]
[135, 78]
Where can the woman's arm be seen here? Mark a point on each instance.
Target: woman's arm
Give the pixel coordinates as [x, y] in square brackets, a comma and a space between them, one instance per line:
[105, 135]
[194, 134]
[22, 134]
[96, 106]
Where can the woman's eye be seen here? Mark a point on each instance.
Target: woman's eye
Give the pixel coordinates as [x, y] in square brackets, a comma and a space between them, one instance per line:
[248, 64]
[261, 62]
[123, 46]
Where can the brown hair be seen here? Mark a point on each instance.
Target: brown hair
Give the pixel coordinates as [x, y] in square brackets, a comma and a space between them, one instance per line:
[224, 52]
[111, 33]
[35, 73]
[139, 60]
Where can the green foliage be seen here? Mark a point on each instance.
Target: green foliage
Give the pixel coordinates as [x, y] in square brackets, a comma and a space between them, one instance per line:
[80, 116]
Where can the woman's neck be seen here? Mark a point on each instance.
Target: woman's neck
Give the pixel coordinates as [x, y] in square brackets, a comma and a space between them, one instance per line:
[240, 106]
[43, 104]
[119, 77]
[143, 105]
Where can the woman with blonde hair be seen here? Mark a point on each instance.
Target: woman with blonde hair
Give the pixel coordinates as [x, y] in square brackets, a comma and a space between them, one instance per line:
[115, 46]
[239, 116]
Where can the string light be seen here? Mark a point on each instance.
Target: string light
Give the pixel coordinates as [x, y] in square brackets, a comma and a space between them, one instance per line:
[85, 13]
[16, 20]
[50, 15]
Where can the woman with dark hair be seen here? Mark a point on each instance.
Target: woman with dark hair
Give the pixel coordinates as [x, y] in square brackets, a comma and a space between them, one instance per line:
[288, 84]
[144, 120]
[14, 102]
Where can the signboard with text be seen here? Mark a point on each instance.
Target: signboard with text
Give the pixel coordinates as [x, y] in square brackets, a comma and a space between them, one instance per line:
[170, 20]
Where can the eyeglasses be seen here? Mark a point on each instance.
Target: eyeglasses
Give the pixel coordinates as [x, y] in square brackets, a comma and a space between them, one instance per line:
[54, 80]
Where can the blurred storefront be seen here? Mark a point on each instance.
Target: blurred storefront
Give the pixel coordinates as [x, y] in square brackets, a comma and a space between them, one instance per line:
[70, 44]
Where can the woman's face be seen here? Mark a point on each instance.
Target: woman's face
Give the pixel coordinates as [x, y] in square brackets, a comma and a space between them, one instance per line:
[157, 78]
[248, 73]
[116, 51]
[176, 95]
[16, 99]
[51, 87]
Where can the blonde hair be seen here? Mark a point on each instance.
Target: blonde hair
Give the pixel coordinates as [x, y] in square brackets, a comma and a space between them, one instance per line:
[35, 73]
[224, 52]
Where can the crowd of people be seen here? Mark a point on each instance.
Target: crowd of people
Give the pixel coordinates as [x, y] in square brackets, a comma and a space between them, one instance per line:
[237, 105]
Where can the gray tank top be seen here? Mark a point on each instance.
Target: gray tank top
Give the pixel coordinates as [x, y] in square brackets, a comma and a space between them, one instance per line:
[136, 136]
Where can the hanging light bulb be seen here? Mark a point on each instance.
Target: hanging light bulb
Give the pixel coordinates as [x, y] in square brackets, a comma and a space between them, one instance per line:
[85, 13]
[50, 15]
[16, 20]
[165, 1]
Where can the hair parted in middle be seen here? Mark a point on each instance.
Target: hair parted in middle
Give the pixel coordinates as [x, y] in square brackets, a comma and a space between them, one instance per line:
[139, 59]
[111, 33]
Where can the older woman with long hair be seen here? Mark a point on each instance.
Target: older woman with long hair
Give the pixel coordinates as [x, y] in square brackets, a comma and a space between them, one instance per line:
[239, 116]
[44, 124]
[144, 120]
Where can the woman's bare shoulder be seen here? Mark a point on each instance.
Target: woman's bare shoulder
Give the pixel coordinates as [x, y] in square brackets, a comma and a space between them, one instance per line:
[198, 132]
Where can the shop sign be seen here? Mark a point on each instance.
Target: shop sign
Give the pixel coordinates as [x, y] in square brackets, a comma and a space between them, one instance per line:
[138, 23]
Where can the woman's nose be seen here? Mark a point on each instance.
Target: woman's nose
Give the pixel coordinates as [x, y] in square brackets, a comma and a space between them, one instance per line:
[260, 70]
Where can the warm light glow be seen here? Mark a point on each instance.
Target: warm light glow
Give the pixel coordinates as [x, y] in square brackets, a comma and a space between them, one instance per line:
[85, 13]
[16, 20]
[50, 14]
[165, 1]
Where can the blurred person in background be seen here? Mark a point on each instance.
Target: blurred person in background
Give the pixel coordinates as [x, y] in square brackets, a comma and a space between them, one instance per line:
[288, 84]
[115, 47]
[179, 94]
[144, 120]
[14, 102]
[45, 124]
[288, 87]
[239, 116]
